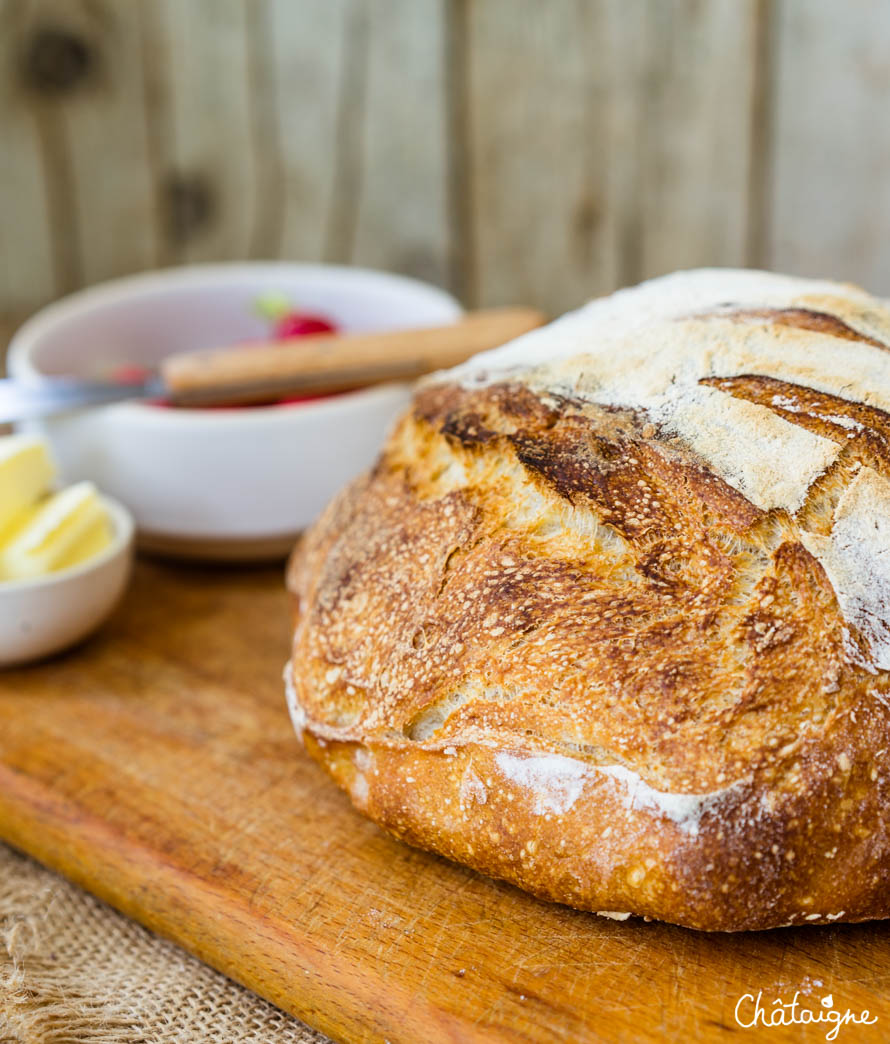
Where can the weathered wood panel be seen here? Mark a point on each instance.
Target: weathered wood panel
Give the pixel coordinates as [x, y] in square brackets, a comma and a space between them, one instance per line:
[27, 264]
[205, 153]
[104, 128]
[361, 109]
[607, 142]
[830, 213]
[402, 219]
[304, 127]
[76, 74]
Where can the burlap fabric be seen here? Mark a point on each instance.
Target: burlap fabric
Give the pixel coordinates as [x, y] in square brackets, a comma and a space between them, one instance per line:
[73, 971]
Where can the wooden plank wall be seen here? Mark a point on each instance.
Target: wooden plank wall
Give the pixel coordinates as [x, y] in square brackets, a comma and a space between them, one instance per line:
[512, 150]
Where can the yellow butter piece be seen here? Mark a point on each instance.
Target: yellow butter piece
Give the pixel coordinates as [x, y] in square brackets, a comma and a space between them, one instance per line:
[64, 529]
[26, 472]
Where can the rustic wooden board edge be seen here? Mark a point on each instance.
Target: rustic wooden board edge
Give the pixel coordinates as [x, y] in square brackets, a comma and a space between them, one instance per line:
[333, 997]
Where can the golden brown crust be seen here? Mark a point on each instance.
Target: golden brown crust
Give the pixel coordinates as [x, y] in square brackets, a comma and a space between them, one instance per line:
[544, 639]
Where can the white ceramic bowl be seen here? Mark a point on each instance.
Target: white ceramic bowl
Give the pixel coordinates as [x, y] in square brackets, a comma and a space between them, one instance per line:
[219, 483]
[49, 613]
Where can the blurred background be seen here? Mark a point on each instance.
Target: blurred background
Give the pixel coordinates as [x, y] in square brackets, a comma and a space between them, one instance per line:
[508, 150]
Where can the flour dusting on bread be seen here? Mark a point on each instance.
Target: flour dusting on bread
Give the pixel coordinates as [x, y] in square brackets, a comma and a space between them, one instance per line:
[641, 348]
[297, 714]
[556, 782]
[856, 557]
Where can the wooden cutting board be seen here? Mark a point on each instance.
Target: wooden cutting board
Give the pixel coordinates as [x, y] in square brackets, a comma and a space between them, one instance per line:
[156, 766]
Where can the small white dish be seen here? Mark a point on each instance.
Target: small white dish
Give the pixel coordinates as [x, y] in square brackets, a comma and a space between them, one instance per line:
[48, 613]
[219, 483]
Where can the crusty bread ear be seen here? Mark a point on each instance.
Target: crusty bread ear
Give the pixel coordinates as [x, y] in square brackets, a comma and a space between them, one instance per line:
[610, 619]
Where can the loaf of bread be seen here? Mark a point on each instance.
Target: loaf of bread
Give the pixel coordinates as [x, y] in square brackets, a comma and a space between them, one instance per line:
[610, 618]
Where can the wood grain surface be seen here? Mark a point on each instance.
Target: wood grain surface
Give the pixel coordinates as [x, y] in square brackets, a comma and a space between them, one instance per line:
[511, 150]
[156, 766]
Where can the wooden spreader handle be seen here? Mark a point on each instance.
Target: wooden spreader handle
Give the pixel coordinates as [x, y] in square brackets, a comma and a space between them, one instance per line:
[314, 365]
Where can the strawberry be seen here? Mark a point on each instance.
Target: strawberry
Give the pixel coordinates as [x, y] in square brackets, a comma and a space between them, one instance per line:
[290, 322]
[301, 324]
